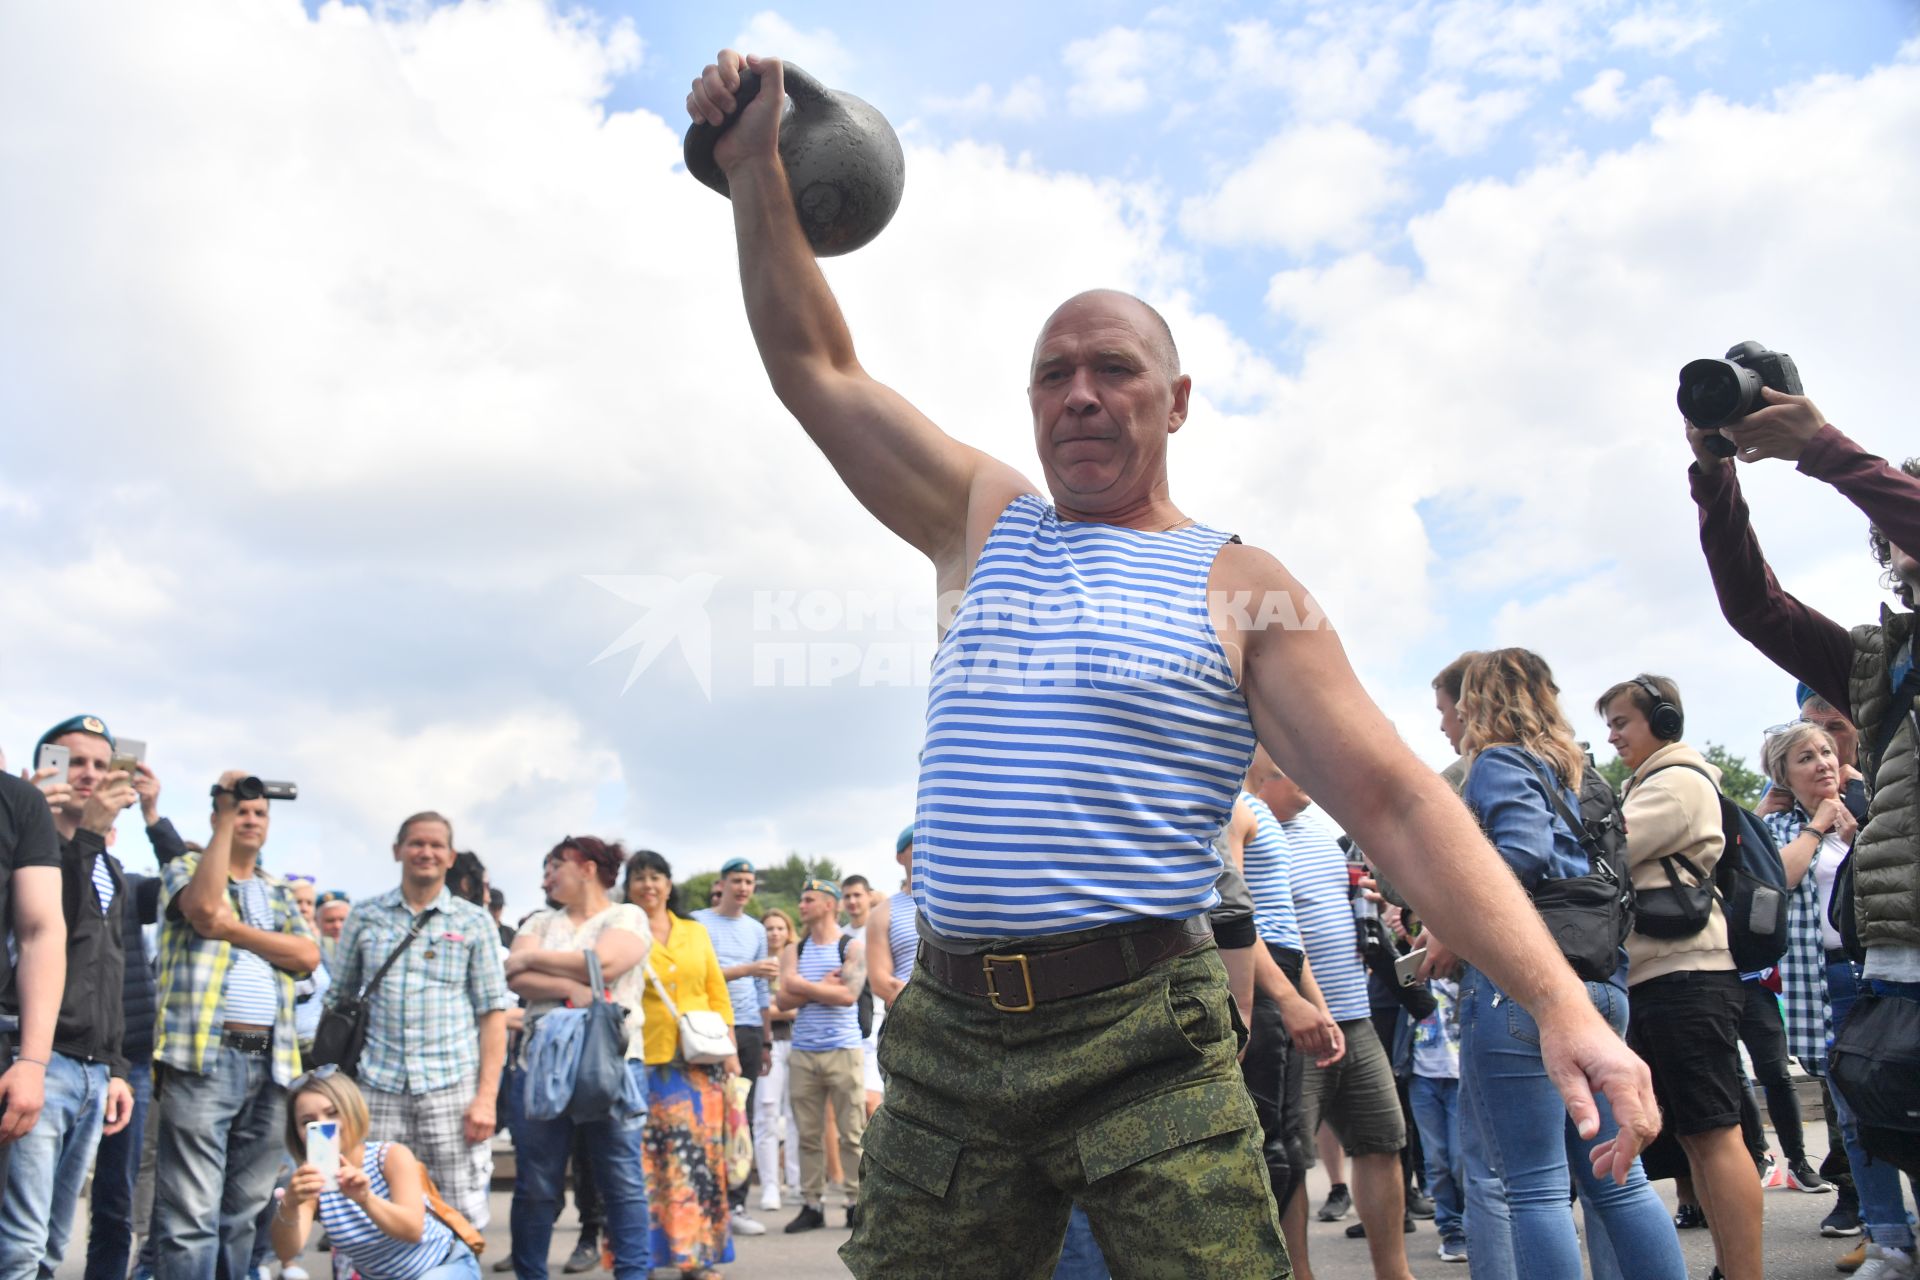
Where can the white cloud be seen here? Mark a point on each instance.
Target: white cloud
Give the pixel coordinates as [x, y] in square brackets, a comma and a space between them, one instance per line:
[1459, 124]
[1110, 71]
[1661, 31]
[1337, 73]
[1311, 185]
[819, 52]
[1518, 40]
[1024, 100]
[1604, 100]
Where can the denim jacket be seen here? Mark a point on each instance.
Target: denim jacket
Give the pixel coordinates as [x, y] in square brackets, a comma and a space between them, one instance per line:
[1519, 816]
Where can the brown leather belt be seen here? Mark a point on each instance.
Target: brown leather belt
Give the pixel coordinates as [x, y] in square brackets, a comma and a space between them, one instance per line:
[1018, 982]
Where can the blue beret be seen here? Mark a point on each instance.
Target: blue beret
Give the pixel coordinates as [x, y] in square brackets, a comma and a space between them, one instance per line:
[904, 839]
[736, 864]
[75, 724]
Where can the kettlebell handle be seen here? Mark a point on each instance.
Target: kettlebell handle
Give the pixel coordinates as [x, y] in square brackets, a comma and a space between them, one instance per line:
[702, 137]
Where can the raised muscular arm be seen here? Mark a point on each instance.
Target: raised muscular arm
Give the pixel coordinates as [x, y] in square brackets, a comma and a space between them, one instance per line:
[918, 481]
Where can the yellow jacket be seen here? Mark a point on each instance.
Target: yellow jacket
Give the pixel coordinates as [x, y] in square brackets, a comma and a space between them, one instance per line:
[690, 971]
[1677, 812]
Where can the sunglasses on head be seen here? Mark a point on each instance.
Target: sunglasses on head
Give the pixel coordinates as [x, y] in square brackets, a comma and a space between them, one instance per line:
[325, 1071]
[300, 876]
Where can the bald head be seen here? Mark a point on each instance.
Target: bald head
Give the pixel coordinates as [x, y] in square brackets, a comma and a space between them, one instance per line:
[1150, 324]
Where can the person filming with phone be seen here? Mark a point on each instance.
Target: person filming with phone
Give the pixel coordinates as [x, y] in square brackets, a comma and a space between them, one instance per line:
[372, 1198]
[86, 1085]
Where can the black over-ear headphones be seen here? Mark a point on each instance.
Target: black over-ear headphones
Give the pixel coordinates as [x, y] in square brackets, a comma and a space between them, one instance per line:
[1663, 717]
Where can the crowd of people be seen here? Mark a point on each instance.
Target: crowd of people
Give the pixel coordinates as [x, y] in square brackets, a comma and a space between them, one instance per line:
[1182, 913]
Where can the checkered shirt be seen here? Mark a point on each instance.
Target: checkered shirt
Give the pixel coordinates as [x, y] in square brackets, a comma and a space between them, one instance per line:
[193, 978]
[1803, 970]
[422, 1032]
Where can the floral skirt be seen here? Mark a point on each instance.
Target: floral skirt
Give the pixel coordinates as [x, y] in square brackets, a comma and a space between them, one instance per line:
[683, 1151]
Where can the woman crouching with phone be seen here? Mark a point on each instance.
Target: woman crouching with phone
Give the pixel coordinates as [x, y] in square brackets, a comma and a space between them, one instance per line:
[376, 1214]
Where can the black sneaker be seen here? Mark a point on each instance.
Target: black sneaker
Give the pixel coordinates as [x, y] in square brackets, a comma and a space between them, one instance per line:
[808, 1219]
[1339, 1204]
[1689, 1218]
[1802, 1176]
[1843, 1221]
[1358, 1231]
[1419, 1204]
[585, 1255]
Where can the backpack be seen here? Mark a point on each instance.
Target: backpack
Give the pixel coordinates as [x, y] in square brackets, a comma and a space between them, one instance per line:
[1750, 881]
[865, 1003]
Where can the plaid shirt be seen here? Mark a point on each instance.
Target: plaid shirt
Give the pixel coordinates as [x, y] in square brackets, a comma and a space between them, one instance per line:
[1803, 970]
[193, 977]
[422, 1028]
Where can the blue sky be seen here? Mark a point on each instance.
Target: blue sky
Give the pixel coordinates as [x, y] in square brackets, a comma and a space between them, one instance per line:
[374, 371]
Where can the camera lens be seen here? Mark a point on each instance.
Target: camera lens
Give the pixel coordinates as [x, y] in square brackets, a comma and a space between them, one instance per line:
[1716, 392]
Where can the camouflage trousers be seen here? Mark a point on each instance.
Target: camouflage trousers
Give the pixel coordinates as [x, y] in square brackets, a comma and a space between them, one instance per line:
[1127, 1101]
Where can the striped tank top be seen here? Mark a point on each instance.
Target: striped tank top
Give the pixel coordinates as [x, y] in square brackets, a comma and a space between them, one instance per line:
[818, 1028]
[1266, 863]
[1085, 736]
[903, 938]
[375, 1254]
[1324, 906]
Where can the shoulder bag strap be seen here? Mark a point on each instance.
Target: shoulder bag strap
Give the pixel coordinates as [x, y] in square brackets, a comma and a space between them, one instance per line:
[419, 923]
[665, 999]
[595, 982]
[1572, 819]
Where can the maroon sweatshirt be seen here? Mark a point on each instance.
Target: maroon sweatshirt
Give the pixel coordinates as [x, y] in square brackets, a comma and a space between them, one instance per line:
[1801, 641]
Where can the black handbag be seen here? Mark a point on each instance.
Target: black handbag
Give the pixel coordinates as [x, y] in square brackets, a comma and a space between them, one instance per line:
[1875, 1063]
[342, 1033]
[1675, 909]
[1589, 916]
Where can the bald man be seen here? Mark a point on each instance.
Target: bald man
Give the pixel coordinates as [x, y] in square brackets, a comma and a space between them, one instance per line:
[1068, 1035]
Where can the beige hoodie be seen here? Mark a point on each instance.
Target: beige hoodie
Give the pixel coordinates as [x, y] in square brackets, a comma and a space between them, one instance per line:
[1676, 812]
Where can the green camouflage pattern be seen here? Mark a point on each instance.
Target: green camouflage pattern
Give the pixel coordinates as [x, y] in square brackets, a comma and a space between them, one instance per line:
[1128, 1101]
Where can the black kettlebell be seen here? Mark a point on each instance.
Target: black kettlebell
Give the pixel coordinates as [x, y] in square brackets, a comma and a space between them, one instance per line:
[843, 160]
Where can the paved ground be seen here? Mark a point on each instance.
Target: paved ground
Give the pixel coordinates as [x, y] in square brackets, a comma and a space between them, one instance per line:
[1795, 1249]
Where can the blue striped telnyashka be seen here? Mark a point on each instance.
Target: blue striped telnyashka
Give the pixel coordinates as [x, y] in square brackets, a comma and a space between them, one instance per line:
[903, 939]
[375, 1254]
[1323, 902]
[1085, 735]
[1266, 863]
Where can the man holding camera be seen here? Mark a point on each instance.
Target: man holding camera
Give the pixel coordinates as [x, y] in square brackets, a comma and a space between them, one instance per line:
[232, 943]
[85, 1075]
[1867, 674]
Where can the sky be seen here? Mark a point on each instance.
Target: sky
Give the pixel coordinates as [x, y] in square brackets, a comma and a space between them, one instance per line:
[380, 413]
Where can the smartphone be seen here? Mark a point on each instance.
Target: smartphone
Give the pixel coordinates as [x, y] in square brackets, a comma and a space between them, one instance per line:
[323, 1151]
[54, 756]
[1407, 967]
[127, 752]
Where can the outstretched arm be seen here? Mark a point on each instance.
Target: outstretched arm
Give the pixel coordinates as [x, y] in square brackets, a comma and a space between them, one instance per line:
[915, 479]
[1321, 727]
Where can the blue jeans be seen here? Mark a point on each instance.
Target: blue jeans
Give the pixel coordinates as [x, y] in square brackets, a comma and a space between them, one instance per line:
[1488, 1225]
[220, 1142]
[48, 1166]
[460, 1265]
[1080, 1256]
[1533, 1147]
[541, 1148]
[110, 1213]
[1436, 1110]
[1883, 1210]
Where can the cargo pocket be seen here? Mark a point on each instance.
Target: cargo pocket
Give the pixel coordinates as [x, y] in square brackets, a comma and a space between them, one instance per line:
[910, 1151]
[1164, 1122]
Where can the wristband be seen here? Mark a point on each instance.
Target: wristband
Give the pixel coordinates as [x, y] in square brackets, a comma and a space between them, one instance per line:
[35, 1061]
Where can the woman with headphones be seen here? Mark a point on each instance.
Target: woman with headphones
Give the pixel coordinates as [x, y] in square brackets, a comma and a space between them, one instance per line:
[1685, 992]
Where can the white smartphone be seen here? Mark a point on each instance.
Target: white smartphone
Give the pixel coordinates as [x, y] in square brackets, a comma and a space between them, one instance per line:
[127, 752]
[54, 756]
[323, 1151]
[1407, 967]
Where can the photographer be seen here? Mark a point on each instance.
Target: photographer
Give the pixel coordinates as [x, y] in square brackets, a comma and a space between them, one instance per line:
[85, 1077]
[232, 942]
[1867, 675]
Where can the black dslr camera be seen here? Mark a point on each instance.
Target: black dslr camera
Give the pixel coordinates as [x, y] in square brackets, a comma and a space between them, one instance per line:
[245, 789]
[1718, 393]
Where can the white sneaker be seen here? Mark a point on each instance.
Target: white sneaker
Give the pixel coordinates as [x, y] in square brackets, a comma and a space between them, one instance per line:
[745, 1226]
[770, 1199]
[294, 1271]
[1885, 1264]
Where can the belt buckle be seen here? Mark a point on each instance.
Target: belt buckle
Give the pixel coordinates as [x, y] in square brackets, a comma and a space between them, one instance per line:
[993, 990]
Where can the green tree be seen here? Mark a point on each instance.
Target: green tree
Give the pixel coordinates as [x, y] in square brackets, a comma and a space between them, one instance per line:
[786, 879]
[1741, 784]
[695, 890]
